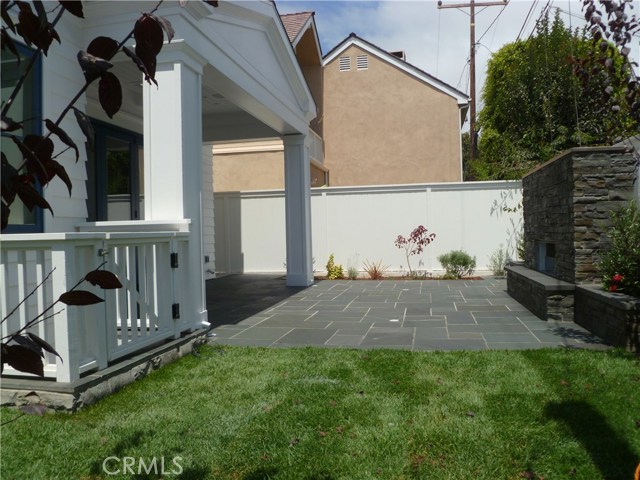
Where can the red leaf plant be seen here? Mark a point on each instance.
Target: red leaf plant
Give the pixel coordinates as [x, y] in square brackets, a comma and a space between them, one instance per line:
[415, 243]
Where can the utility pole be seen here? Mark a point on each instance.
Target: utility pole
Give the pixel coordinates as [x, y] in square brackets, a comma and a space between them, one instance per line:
[472, 64]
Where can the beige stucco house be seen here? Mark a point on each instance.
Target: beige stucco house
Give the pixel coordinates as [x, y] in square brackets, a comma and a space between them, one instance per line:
[386, 122]
[381, 121]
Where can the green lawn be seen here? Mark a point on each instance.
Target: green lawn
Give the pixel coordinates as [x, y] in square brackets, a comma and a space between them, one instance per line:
[251, 413]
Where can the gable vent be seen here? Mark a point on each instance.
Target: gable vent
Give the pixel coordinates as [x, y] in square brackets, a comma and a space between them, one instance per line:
[345, 64]
[362, 62]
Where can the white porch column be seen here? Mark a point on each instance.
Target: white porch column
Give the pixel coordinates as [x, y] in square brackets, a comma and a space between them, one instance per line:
[297, 182]
[173, 163]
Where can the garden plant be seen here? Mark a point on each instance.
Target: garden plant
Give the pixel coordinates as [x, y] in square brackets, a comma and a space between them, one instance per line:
[620, 265]
[457, 264]
[375, 270]
[497, 261]
[414, 244]
[334, 272]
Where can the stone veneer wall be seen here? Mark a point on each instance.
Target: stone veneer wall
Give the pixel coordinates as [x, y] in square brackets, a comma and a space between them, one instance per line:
[567, 201]
[614, 317]
[546, 297]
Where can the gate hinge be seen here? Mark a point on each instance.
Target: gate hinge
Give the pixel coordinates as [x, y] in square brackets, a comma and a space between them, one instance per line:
[174, 260]
[175, 311]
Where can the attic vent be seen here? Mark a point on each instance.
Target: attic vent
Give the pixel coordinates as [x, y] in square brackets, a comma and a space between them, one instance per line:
[400, 54]
[345, 64]
[362, 62]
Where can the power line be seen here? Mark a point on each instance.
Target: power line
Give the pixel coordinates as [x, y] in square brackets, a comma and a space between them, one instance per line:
[462, 73]
[569, 13]
[472, 64]
[542, 13]
[492, 23]
[526, 20]
[438, 51]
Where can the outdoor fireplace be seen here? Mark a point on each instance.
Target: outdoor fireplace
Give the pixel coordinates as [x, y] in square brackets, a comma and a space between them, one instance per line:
[567, 205]
[546, 258]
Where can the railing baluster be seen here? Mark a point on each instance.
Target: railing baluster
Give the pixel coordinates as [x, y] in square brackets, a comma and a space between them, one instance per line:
[65, 324]
[152, 288]
[142, 290]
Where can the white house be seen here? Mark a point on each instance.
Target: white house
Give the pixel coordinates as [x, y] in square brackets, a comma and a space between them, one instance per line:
[142, 199]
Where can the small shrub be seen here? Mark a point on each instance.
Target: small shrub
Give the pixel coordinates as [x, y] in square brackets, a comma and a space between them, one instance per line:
[352, 273]
[497, 261]
[334, 272]
[457, 264]
[419, 275]
[352, 267]
[620, 266]
[375, 270]
[520, 245]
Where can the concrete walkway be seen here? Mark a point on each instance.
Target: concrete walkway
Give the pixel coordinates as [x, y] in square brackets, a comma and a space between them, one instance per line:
[258, 310]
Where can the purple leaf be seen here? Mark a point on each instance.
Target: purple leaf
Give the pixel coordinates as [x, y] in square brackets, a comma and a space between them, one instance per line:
[104, 279]
[110, 93]
[79, 298]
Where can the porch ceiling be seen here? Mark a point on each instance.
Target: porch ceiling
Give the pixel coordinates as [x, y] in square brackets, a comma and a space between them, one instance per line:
[222, 118]
[252, 86]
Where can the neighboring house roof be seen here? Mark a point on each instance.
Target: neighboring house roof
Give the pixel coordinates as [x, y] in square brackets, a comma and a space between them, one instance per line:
[296, 24]
[461, 97]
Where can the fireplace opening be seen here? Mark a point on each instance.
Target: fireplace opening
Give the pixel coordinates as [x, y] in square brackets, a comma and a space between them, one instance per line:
[546, 261]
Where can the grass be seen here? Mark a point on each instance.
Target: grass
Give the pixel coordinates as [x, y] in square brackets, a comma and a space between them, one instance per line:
[251, 413]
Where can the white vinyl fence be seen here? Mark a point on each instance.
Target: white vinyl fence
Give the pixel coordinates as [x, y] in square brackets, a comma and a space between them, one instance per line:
[361, 223]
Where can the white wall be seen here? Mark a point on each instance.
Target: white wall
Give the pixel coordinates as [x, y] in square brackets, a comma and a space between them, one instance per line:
[208, 221]
[363, 222]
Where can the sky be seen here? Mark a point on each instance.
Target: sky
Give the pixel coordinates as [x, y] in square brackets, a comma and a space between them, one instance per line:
[435, 40]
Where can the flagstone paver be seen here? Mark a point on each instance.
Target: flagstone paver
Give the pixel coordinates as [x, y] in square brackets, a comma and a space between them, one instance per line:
[399, 314]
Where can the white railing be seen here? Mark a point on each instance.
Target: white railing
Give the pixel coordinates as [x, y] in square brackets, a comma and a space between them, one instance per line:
[316, 147]
[131, 319]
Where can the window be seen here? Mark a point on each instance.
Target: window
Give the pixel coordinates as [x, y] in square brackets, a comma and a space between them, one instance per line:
[26, 108]
[116, 176]
[362, 62]
[345, 64]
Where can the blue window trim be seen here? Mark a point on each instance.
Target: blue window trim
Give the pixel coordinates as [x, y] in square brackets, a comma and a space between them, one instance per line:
[135, 140]
[36, 71]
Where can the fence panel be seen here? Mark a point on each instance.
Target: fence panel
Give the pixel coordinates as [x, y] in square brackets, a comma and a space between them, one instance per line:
[359, 223]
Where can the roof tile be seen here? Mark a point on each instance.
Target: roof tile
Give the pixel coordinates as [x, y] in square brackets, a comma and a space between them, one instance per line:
[293, 23]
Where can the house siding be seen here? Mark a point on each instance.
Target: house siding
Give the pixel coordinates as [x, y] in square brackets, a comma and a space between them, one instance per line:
[382, 126]
[61, 79]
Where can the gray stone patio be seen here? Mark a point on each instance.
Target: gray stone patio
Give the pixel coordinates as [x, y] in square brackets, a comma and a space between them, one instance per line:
[413, 315]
